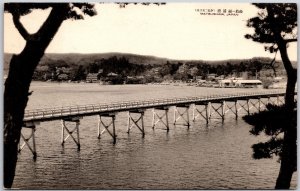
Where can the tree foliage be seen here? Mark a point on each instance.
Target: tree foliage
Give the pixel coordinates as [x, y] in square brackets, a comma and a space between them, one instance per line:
[75, 10]
[274, 20]
[271, 122]
[276, 26]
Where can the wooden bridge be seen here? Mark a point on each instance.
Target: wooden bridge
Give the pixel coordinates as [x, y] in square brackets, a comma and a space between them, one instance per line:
[203, 106]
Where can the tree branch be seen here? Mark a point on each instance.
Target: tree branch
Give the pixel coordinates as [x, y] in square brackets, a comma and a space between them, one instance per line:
[23, 32]
[290, 40]
[51, 25]
[274, 59]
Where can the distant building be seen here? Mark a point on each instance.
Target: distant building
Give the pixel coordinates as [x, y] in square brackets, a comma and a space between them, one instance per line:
[198, 78]
[47, 76]
[92, 77]
[199, 81]
[140, 77]
[221, 77]
[66, 70]
[113, 78]
[100, 71]
[156, 71]
[240, 83]
[134, 80]
[183, 69]
[211, 77]
[248, 83]
[62, 77]
[278, 79]
[227, 83]
[111, 74]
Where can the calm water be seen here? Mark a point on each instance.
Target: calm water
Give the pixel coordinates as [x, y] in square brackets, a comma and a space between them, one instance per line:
[217, 156]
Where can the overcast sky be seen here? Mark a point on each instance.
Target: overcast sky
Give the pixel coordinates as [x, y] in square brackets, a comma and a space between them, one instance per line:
[175, 30]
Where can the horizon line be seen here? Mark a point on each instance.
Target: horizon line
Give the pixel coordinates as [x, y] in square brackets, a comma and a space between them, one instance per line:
[279, 59]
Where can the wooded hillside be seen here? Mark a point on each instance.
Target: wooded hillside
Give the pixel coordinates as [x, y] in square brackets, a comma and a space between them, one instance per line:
[77, 66]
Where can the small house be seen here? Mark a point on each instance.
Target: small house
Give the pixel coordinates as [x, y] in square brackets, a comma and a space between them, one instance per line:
[211, 77]
[111, 74]
[227, 83]
[92, 77]
[62, 77]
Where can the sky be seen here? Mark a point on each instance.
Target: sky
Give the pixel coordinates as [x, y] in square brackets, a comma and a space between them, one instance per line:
[174, 30]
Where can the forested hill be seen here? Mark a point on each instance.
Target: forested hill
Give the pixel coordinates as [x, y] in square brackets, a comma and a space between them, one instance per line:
[85, 59]
[73, 59]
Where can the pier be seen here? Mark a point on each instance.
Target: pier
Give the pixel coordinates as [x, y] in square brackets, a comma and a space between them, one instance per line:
[205, 107]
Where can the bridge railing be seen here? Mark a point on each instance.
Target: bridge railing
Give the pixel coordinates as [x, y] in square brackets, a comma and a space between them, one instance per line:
[127, 105]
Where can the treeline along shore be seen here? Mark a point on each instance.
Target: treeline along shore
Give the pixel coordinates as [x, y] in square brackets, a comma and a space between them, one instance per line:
[119, 68]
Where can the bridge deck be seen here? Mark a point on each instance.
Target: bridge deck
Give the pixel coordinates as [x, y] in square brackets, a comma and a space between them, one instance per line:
[49, 114]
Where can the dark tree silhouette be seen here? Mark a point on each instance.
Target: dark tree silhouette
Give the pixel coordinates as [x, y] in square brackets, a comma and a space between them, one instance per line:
[276, 26]
[272, 64]
[22, 67]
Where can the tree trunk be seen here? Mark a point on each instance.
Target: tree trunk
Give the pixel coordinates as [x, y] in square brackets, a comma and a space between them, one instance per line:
[290, 89]
[17, 85]
[15, 101]
[291, 74]
[289, 150]
[289, 158]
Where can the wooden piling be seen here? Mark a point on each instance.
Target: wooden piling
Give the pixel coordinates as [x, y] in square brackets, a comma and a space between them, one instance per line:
[236, 110]
[111, 116]
[207, 113]
[181, 115]
[160, 118]
[32, 148]
[75, 120]
[136, 121]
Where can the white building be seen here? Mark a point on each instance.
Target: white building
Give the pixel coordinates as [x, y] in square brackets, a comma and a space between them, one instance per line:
[233, 82]
[249, 83]
[227, 83]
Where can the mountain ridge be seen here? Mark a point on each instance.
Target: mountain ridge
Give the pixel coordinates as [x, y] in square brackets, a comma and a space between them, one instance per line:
[84, 59]
[134, 58]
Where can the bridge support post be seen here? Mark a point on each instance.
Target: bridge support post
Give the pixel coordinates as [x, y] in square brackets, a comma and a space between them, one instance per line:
[244, 106]
[259, 104]
[254, 104]
[248, 108]
[280, 102]
[194, 115]
[262, 103]
[136, 121]
[236, 110]
[32, 127]
[207, 112]
[181, 115]
[230, 107]
[160, 118]
[206, 109]
[112, 116]
[216, 109]
[64, 128]
[223, 110]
